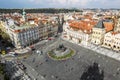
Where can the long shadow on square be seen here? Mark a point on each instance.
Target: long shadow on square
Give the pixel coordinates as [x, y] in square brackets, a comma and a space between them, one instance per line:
[93, 73]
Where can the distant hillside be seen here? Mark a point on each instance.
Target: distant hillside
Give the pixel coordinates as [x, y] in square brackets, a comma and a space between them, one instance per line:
[41, 10]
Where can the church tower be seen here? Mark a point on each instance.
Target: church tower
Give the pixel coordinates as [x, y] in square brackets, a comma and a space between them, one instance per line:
[23, 14]
[61, 21]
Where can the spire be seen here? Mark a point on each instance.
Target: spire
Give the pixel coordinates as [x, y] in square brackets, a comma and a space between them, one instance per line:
[100, 24]
[23, 14]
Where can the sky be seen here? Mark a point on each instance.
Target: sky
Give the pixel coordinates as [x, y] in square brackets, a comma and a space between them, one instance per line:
[59, 3]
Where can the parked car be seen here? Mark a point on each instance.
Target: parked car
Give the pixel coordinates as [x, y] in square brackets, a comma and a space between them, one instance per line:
[51, 38]
[32, 48]
[46, 40]
[56, 35]
[38, 51]
[16, 54]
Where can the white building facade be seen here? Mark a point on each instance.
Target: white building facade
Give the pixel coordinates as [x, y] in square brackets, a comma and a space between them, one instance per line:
[118, 26]
[78, 37]
[112, 41]
[24, 37]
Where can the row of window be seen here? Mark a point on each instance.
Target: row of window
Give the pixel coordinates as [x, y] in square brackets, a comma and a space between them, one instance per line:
[32, 36]
[96, 32]
[107, 36]
[112, 41]
[27, 33]
[96, 42]
[96, 37]
[76, 34]
[110, 37]
[117, 38]
[108, 40]
[114, 46]
[25, 41]
[27, 36]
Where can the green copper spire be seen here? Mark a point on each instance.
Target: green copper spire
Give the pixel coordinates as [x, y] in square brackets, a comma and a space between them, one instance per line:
[24, 12]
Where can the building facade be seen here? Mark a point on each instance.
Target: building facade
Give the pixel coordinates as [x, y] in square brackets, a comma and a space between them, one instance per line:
[78, 37]
[23, 36]
[79, 32]
[47, 29]
[97, 36]
[99, 31]
[112, 41]
[117, 27]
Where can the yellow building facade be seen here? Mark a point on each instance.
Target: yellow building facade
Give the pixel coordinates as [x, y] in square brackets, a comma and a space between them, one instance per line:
[98, 33]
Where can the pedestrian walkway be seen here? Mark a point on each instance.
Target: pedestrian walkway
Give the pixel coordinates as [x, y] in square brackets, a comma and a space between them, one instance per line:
[33, 73]
[99, 50]
[22, 51]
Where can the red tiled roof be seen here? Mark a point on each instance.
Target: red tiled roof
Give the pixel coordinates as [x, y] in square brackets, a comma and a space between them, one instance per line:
[108, 26]
[16, 31]
[114, 33]
[83, 25]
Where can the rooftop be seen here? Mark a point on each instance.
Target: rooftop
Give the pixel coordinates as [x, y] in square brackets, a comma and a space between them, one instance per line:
[22, 27]
[83, 25]
[108, 26]
[100, 24]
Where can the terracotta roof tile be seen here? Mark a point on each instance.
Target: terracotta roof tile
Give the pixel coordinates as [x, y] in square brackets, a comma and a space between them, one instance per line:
[108, 26]
[83, 25]
[114, 33]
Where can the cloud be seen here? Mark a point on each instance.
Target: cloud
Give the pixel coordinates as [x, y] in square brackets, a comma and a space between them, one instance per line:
[35, 1]
[60, 3]
[69, 3]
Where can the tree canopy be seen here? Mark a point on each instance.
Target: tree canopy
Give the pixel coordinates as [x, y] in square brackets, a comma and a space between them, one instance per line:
[39, 10]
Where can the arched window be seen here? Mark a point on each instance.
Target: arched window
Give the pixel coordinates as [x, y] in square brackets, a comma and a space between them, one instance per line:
[105, 43]
[114, 46]
[118, 47]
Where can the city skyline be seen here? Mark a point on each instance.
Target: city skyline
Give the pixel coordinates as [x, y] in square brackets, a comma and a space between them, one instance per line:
[72, 42]
[59, 4]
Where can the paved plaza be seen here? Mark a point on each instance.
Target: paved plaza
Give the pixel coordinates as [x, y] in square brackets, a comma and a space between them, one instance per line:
[44, 68]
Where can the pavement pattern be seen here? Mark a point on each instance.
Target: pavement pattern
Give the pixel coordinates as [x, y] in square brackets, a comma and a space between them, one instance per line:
[45, 68]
